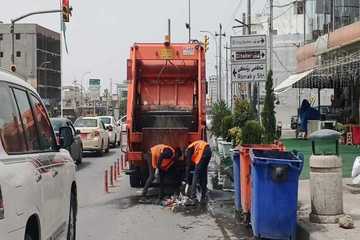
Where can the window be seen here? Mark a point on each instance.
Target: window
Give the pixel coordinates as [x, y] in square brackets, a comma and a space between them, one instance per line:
[11, 131]
[1, 36]
[86, 123]
[298, 7]
[18, 54]
[102, 125]
[1, 54]
[27, 120]
[17, 36]
[46, 135]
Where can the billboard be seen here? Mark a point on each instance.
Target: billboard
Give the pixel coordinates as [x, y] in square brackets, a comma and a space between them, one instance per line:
[94, 88]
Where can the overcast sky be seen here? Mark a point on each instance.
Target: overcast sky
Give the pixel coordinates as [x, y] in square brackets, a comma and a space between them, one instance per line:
[101, 32]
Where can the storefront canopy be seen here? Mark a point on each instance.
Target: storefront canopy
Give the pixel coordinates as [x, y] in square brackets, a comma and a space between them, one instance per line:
[290, 81]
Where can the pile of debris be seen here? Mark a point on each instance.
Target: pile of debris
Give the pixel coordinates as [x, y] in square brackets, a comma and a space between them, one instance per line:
[178, 203]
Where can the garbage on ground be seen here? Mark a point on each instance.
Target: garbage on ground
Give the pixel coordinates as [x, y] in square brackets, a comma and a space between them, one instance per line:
[346, 222]
[355, 174]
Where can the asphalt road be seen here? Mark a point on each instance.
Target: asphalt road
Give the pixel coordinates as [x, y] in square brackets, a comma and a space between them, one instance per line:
[119, 215]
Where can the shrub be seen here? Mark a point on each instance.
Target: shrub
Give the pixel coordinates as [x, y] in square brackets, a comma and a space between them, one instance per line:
[242, 112]
[219, 111]
[252, 133]
[235, 134]
[227, 124]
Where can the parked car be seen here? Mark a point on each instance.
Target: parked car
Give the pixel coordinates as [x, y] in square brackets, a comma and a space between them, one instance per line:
[38, 196]
[114, 129]
[77, 147]
[93, 133]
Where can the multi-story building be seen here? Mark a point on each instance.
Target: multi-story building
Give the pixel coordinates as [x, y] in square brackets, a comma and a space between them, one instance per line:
[331, 57]
[212, 90]
[37, 58]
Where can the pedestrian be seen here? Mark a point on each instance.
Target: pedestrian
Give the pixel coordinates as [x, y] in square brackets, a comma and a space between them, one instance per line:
[198, 153]
[160, 159]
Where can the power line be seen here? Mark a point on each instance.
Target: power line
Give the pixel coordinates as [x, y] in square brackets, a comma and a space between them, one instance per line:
[281, 63]
[233, 15]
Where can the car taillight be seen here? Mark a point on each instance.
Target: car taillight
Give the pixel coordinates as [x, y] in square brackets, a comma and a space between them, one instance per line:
[2, 212]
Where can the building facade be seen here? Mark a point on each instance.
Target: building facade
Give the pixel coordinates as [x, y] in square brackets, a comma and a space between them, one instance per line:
[37, 57]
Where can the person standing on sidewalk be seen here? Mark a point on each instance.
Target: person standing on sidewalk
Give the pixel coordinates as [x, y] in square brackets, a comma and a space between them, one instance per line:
[199, 154]
[159, 160]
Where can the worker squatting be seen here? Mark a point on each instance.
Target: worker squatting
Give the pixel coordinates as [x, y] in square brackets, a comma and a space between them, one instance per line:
[162, 157]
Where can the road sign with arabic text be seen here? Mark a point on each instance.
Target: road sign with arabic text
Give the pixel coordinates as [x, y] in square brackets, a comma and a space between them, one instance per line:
[248, 58]
[248, 72]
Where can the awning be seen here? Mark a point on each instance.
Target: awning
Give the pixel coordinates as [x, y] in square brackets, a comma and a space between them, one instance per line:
[290, 81]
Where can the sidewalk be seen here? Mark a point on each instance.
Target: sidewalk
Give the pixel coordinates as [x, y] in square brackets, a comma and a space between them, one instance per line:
[312, 231]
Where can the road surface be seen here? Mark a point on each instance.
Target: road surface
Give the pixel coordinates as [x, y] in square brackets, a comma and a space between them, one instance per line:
[119, 215]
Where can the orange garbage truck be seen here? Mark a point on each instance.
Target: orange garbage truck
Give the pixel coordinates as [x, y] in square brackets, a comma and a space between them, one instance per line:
[166, 102]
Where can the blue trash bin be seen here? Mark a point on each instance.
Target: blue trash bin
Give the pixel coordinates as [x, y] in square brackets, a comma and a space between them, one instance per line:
[236, 174]
[275, 179]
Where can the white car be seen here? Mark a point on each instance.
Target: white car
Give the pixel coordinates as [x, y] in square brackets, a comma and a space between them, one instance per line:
[38, 197]
[94, 134]
[114, 129]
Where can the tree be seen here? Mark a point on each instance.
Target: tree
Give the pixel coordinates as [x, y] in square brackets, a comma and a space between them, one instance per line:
[219, 111]
[268, 114]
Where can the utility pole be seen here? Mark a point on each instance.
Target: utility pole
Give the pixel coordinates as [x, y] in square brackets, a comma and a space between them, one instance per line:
[249, 33]
[220, 35]
[227, 72]
[249, 17]
[188, 24]
[271, 34]
[305, 20]
[110, 94]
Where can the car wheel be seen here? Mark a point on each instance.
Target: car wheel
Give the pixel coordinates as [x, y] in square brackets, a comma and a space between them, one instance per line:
[71, 234]
[79, 161]
[100, 152]
[108, 146]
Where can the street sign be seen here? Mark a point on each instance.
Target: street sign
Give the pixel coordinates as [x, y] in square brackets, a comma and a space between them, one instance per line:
[248, 58]
[248, 55]
[94, 88]
[94, 84]
[248, 72]
[248, 42]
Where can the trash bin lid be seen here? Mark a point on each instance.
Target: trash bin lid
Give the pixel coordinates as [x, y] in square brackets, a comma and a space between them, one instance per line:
[274, 155]
[325, 134]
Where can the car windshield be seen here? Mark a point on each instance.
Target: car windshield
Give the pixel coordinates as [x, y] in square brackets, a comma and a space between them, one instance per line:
[86, 123]
[57, 124]
[105, 120]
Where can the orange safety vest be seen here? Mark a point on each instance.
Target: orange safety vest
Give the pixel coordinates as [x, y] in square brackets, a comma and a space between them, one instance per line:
[199, 147]
[155, 154]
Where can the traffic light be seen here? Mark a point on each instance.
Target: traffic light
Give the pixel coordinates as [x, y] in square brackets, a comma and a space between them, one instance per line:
[13, 68]
[66, 9]
[206, 43]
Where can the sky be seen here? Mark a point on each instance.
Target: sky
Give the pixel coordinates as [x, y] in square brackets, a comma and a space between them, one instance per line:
[100, 33]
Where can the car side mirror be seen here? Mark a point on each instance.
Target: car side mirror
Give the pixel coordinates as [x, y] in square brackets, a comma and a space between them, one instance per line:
[66, 137]
[77, 131]
[110, 128]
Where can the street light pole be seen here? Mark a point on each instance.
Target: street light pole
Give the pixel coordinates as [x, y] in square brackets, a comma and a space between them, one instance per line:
[12, 28]
[189, 21]
[220, 35]
[81, 91]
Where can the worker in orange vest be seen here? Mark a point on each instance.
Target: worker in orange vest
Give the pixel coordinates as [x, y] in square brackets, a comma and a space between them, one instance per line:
[199, 154]
[160, 159]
